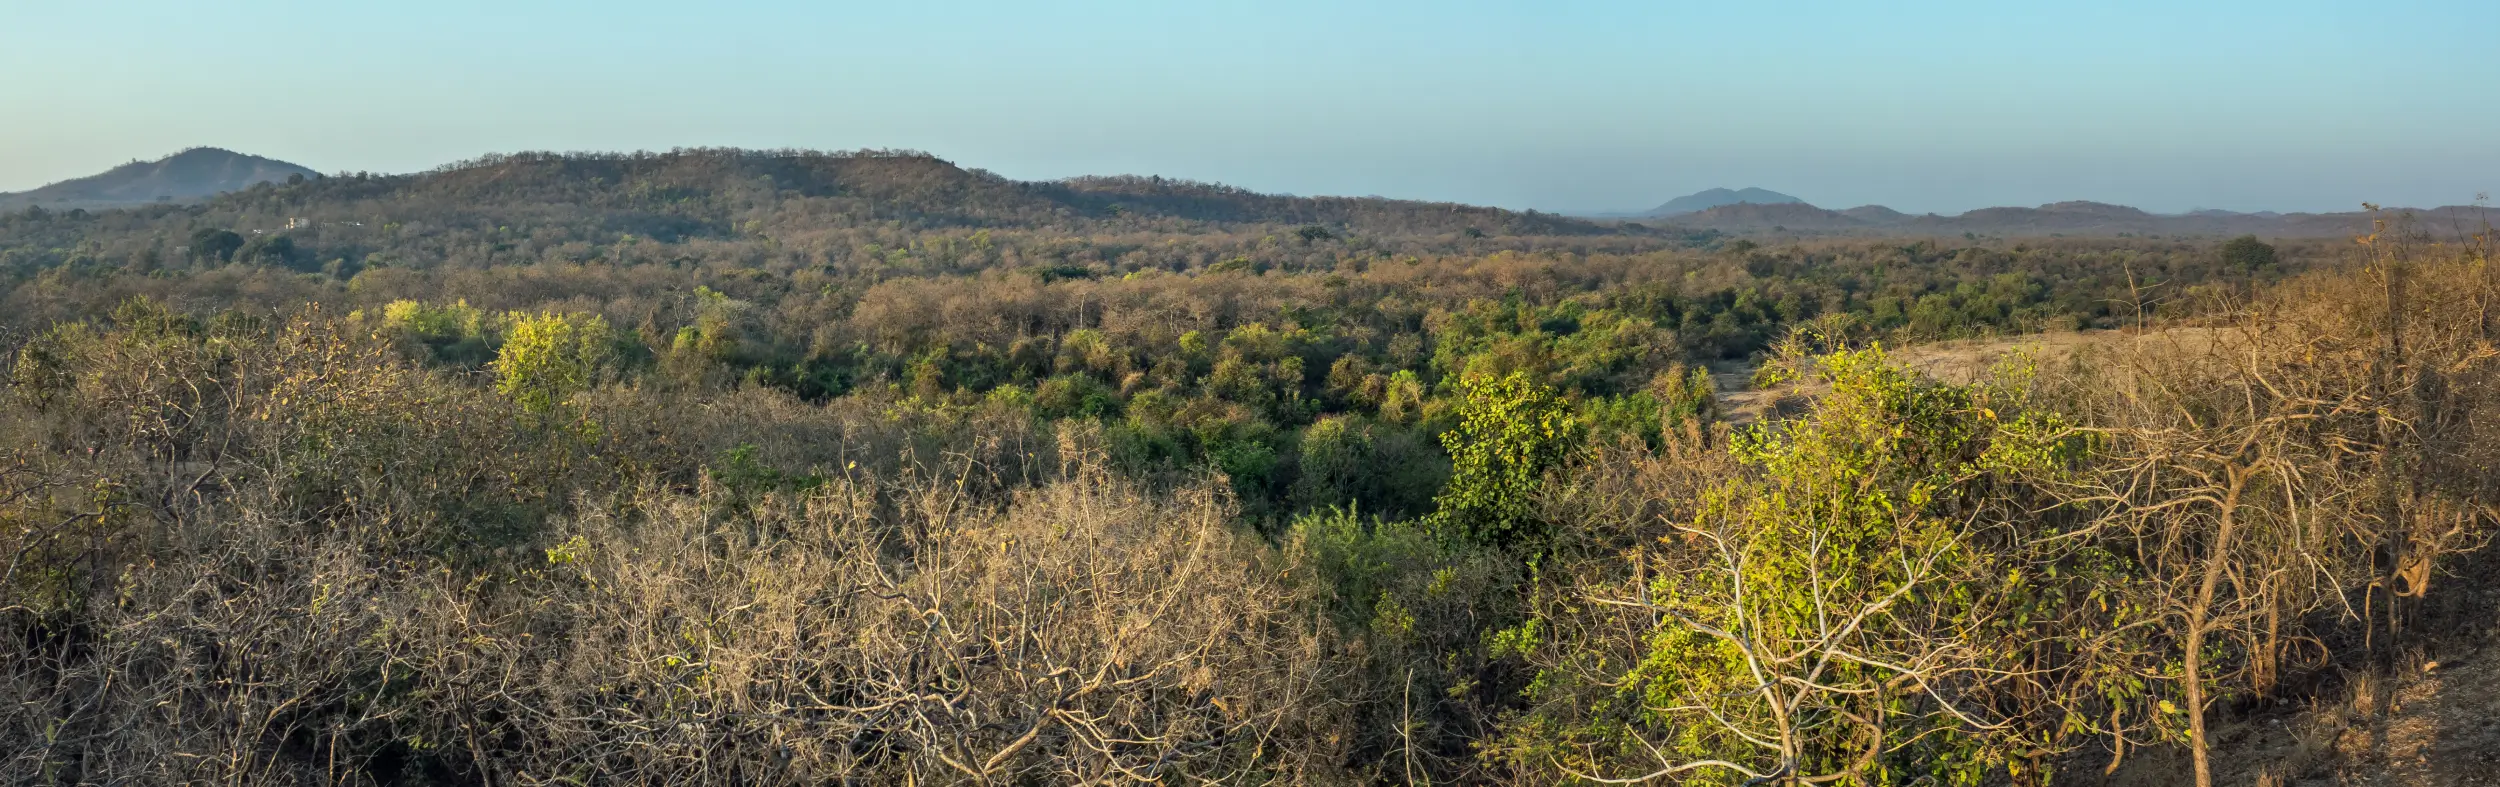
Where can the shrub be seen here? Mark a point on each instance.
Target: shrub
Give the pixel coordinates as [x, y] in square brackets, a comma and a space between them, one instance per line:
[548, 358]
[1869, 600]
[1511, 432]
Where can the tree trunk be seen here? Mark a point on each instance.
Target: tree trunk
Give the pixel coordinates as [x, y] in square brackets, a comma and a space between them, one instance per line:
[2197, 742]
[2216, 559]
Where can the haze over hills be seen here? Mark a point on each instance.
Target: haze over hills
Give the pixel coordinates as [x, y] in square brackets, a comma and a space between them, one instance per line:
[2074, 217]
[685, 194]
[1711, 198]
[1761, 211]
[184, 176]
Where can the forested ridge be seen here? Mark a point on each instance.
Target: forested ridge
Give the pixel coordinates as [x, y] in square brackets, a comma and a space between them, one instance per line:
[783, 467]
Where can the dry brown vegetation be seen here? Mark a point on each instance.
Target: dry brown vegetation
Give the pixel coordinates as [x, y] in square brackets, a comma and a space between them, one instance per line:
[239, 588]
[246, 550]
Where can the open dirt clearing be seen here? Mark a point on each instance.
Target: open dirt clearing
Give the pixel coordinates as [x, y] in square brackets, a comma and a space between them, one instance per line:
[1958, 360]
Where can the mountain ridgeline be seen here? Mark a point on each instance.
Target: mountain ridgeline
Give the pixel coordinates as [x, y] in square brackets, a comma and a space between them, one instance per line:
[2073, 217]
[190, 175]
[698, 193]
[719, 193]
[1714, 198]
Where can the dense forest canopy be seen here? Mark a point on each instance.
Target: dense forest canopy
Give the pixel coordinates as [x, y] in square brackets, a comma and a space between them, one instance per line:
[788, 467]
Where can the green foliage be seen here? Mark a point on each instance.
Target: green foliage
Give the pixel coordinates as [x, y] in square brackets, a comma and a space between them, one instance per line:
[276, 251]
[457, 335]
[1250, 460]
[1380, 572]
[1381, 468]
[1871, 583]
[2247, 254]
[1403, 398]
[1062, 272]
[749, 480]
[549, 358]
[1336, 459]
[1075, 396]
[1511, 432]
[1567, 345]
[1676, 400]
[1417, 607]
[214, 243]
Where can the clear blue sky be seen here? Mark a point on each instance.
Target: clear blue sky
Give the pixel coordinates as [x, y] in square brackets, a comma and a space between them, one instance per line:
[1557, 105]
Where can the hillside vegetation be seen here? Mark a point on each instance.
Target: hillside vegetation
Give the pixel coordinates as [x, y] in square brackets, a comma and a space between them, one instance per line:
[182, 177]
[1712, 198]
[743, 468]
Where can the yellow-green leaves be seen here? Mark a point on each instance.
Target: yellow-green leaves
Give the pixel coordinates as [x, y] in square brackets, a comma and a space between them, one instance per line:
[1511, 431]
[1872, 576]
[548, 358]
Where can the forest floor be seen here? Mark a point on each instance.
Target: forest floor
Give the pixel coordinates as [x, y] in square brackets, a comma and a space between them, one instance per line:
[2427, 715]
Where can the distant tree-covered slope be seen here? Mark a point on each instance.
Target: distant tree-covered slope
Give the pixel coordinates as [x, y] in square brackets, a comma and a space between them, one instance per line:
[1704, 200]
[870, 214]
[189, 175]
[704, 192]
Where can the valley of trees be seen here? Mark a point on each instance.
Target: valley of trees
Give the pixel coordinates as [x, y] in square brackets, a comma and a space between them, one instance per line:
[740, 467]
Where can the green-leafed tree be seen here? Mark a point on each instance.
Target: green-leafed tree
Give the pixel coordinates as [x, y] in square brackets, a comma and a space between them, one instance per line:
[215, 244]
[1880, 597]
[2247, 254]
[1511, 431]
[549, 358]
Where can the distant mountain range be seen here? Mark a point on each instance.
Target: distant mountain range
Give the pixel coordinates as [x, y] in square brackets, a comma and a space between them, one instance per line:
[1754, 211]
[702, 193]
[182, 177]
[927, 190]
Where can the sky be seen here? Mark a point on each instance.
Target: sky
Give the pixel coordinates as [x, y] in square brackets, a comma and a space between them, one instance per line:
[1557, 105]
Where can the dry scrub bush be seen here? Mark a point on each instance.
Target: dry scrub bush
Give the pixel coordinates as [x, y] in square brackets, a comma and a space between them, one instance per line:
[2287, 480]
[145, 426]
[246, 555]
[247, 656]
[1088, 632]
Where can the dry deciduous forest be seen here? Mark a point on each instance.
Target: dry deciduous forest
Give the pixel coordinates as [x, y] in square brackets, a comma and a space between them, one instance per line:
[797, 468]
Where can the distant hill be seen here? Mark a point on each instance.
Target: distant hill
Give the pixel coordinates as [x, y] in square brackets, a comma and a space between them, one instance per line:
[715, 192]
[1875, 214]
[2059, 218]
[1779, 215]
[182, 177]
[805, 199]
[1705, 200]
